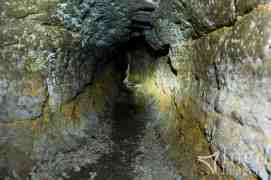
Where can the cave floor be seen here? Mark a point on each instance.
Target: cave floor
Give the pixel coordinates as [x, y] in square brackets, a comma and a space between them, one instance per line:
[137, 152]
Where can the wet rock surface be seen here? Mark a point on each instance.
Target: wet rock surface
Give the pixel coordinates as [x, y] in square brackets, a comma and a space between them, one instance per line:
[137, 151]
[126, 133]
[227, 74]
[197, 83]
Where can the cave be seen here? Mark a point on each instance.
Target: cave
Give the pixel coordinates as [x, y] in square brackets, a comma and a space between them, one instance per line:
[135, 90]
[129, 117]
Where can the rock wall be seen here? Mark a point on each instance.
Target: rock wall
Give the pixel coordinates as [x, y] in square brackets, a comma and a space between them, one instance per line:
[210, 94]
[52, 116]
[220, 86]
[60, 77]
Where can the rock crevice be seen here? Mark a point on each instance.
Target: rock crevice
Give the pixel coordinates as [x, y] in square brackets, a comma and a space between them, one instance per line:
[195, 74]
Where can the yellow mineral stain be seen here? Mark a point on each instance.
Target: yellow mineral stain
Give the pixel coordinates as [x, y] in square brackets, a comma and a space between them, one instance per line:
[264, 7]
[33, 86]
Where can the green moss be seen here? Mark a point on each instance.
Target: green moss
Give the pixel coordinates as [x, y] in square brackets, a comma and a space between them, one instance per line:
[23, 8]
[36, 64]
[245, 6]
[188, 139]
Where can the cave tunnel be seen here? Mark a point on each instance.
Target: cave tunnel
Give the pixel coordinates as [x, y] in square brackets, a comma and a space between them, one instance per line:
[132, 60]
[135, 90]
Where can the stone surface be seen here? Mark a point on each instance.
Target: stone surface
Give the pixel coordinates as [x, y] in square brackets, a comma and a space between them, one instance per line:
[44, 69]
[62, 64]
[40, 58]
[206, 16]
[226, 79]
[106, 24]
[218, 84]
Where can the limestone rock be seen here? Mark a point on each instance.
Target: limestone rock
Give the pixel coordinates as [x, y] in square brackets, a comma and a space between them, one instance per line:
[227, 76]
[42, 68]
[210, 15]
[59, 81]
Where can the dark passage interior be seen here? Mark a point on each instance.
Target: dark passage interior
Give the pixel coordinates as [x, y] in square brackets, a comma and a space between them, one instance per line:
[126, 133]
[128, 123]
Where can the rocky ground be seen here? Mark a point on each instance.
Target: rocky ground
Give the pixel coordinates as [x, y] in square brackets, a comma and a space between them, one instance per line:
[198, 78]
[137, 152]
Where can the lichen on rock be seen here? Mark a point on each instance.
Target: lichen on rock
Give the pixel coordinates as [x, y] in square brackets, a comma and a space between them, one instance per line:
[195, 72]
